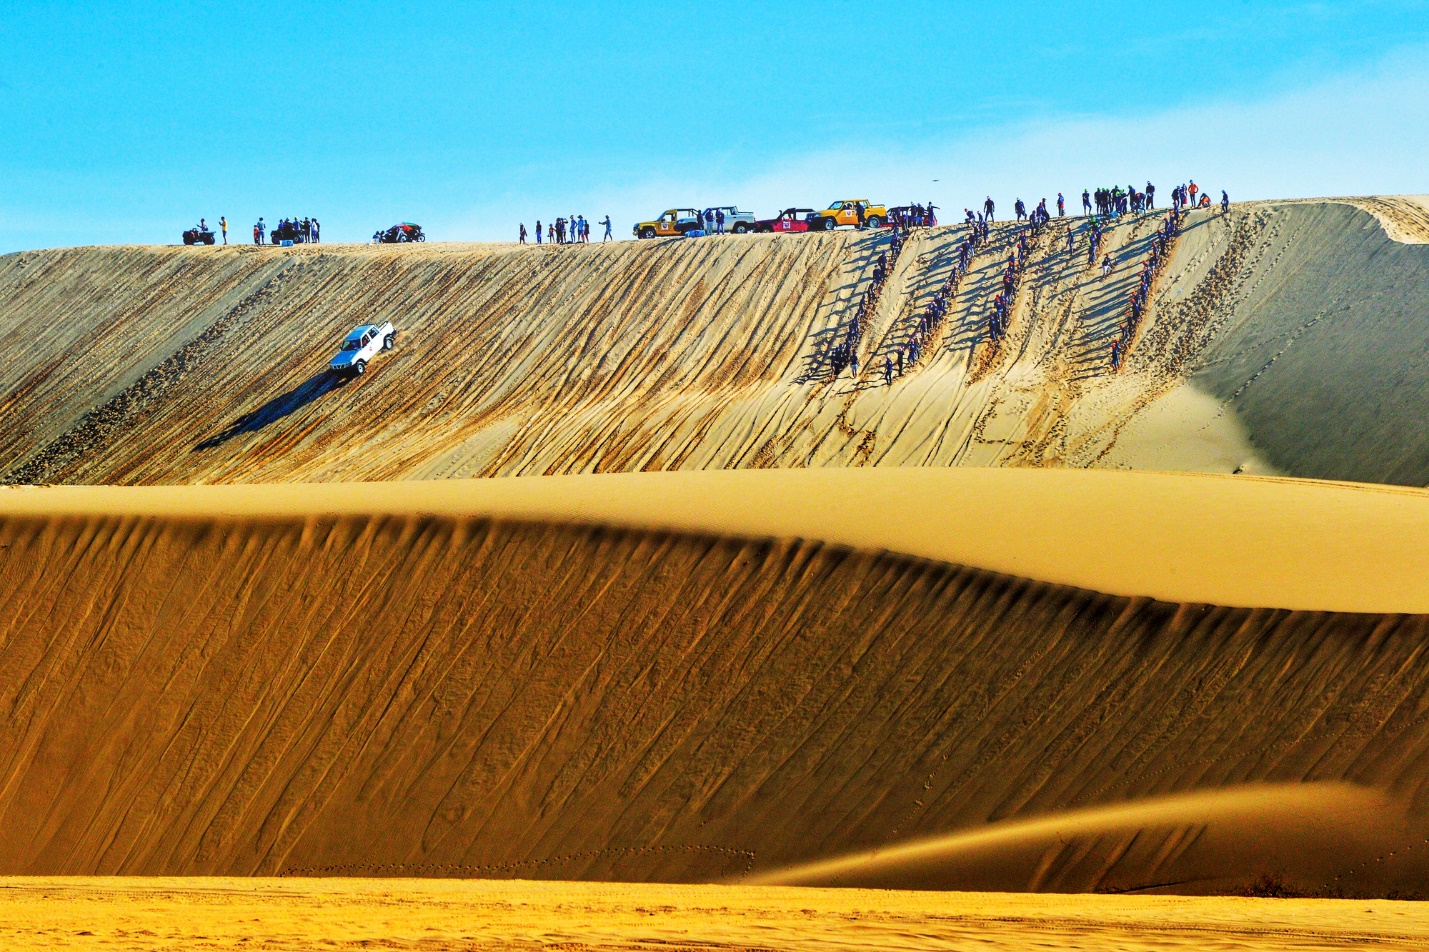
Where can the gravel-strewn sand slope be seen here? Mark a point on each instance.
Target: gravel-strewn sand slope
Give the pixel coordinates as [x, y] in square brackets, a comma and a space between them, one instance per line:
[451, 695]
[1271, 327]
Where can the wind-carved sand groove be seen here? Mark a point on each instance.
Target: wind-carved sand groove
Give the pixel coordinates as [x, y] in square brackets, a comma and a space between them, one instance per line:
[144, 365]
[448, 696]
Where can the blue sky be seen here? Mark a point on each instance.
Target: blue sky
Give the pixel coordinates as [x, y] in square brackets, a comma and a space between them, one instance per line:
[127, 121]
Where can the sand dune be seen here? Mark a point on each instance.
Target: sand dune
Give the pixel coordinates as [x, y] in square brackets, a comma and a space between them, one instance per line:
[142, 365]
[423, 692]
[289, 914]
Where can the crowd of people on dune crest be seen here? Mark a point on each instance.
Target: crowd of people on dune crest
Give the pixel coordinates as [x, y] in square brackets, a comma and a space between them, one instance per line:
[574, 230]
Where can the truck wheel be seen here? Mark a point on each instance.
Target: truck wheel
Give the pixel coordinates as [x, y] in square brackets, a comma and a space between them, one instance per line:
[873, 221]
[827, 224]
[647, 233]
[389, 341]
[740, 228]
[360, 368]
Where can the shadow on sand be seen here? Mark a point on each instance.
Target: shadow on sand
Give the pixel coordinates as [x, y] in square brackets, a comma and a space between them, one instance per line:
[315, 387]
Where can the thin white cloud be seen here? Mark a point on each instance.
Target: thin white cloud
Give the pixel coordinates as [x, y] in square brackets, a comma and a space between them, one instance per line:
[1355, 134]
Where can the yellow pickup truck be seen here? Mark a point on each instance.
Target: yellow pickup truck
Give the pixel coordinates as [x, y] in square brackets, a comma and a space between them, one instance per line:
[845, 212]
[672, 224]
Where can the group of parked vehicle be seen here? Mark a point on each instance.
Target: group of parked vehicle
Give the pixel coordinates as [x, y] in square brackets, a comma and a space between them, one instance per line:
[728, 219]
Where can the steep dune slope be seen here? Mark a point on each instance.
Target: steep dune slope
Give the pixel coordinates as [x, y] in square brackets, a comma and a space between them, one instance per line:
[461, 695]
[182, 365]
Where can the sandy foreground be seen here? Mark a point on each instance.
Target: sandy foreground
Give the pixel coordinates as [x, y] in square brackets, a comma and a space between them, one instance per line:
[804, 678]
[250, 914]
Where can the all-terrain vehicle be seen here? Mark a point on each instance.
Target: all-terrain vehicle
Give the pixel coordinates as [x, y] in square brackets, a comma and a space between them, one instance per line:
[845, 212]
[198, 236]
[789, 220]
[362, 344]
[402, 232]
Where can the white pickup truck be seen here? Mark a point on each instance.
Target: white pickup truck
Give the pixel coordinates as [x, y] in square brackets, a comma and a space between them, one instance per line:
[361, 345]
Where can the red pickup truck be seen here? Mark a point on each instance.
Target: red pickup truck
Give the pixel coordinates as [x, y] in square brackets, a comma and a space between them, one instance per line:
[789, 220]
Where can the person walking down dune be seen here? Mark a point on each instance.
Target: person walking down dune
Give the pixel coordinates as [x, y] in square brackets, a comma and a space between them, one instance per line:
[1106, 267]
[888, 371]
[1071, 240]
[988, 207]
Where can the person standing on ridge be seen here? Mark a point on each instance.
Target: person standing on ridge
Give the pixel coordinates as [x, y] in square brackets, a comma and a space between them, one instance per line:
[1086, 202]
[1061, 206]
[522, 238]
[862, 215]
[719, 221]
[988, 208]
[223, 227]
[538, 231]
[1225, 202]
[1191, 190]
[258, 230]
[608, 236]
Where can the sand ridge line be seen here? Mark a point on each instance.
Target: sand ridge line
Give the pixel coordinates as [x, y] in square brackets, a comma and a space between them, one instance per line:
[1236, 541]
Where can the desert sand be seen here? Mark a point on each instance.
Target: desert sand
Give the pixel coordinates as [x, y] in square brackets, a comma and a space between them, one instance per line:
[293, 915]
[1015, 623]
[1269, 328]
[578, 678]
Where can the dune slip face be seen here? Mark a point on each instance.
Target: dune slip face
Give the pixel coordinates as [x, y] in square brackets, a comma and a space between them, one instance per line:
[309, 681]
[1268, 328]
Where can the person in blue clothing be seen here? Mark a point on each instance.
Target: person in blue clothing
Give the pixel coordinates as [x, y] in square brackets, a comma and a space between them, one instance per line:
[1225, 202]
[608, 236]
[538, 231]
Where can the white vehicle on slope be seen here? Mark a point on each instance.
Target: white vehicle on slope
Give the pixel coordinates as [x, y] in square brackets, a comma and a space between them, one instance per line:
[361, 345]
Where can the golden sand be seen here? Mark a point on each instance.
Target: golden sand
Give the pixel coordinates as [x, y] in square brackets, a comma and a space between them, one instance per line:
[704, 677]
[1273, 343]
[1241, 541]
[187, 915]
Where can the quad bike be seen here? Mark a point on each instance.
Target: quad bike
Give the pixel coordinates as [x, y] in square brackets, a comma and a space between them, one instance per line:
[406, 231]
